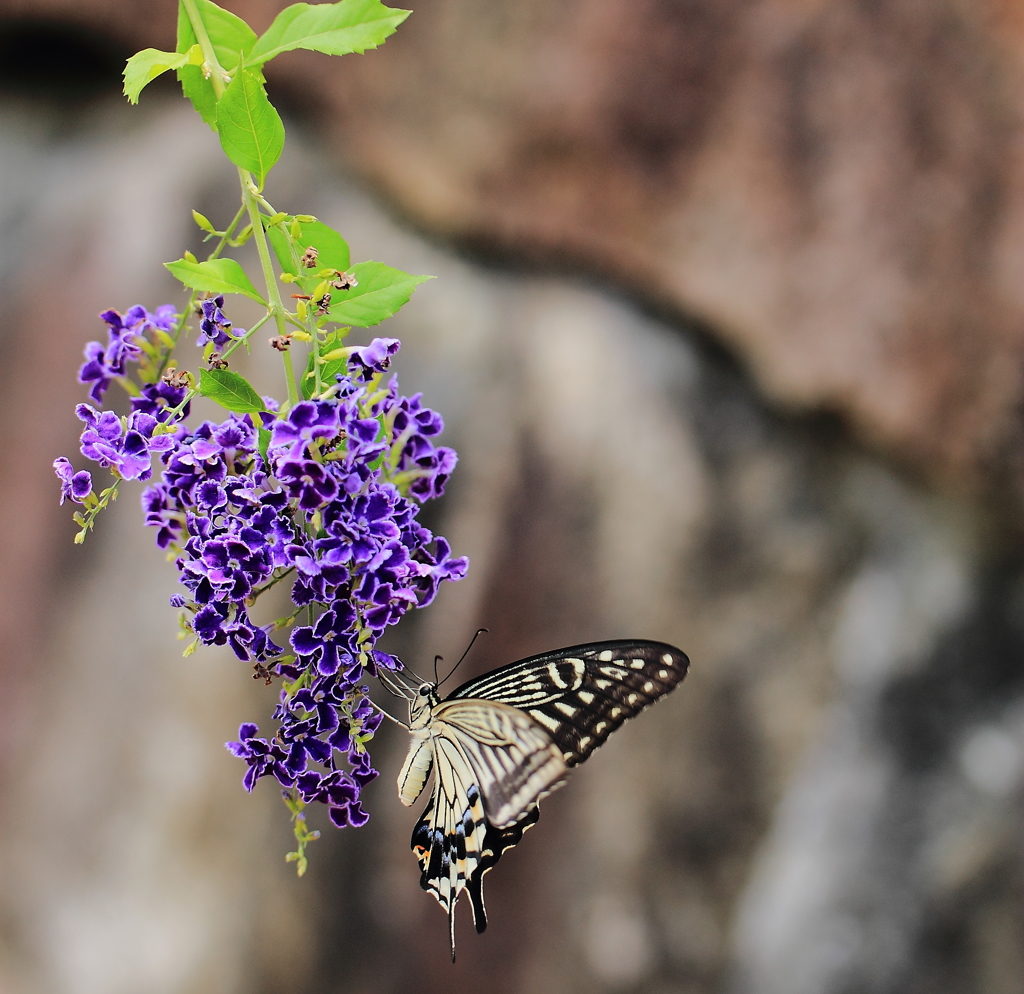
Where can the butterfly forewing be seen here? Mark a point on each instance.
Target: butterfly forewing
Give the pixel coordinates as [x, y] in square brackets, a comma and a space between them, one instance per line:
[580, 695]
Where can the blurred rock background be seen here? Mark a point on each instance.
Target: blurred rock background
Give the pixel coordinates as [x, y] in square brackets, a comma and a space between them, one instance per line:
[728, 332]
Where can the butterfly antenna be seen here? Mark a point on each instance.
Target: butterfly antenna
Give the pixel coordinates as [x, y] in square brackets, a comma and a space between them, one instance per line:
[437, 659]
[479, 632]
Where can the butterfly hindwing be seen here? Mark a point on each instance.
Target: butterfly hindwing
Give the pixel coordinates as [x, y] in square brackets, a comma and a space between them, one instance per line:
[429, 844]
[514, 761]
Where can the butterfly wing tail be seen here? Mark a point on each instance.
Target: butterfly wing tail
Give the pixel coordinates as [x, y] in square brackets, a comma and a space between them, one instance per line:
[496, 842]
[475, 888]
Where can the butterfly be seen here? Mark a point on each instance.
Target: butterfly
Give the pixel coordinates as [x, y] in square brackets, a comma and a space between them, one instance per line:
[501, 742]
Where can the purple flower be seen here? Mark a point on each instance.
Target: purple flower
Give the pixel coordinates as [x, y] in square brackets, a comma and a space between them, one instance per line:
[228, 565]
[262, 757]
[159, 399]
[308, 480]
[307, 422]
[126, 448]
[341, 794]
[163, 318]
[74, 486]
[163, 513]
[377, 355]
[443, 568]
[326, 642]
[214, 326]
[103, 363]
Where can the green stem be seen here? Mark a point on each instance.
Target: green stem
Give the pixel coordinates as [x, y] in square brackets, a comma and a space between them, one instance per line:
[89, 518]
[203, 37]
[273, 291]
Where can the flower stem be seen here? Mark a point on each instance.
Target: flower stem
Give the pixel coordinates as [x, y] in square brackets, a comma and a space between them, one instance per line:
[89, 518]
[203, 37]
[276, 307]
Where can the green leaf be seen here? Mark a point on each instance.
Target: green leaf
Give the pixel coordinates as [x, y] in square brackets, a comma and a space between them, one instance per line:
[215, 276]
[332, 28]
[145, 66]
[229, 34]
[199, 90]
[381, 291]
[332, 248]
[230, 390]
[263, 443]
[251, 132]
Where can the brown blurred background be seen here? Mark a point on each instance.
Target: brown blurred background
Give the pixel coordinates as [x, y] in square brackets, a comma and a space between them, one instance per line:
[729, 332]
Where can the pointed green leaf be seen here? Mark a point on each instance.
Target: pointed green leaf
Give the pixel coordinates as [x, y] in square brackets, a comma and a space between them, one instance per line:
[381, 291]
[145, 66]
[332, 248]
[251, 132]
[333, 28]
[228, 33]
[230, 390]
[215, 276]
[199, 90]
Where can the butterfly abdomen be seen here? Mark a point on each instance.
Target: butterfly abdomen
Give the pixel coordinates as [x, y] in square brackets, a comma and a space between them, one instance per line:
[416, 768]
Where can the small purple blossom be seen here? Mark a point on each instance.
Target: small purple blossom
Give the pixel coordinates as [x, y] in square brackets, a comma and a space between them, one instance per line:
[308, 481]
[74, 486]
[214, 326]
[377, 355]
[126, 447]
[326, 642]
[261, 756]
[308, 422]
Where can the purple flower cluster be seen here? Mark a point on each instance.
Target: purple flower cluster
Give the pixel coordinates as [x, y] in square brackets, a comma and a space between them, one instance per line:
[126, 446]
[326, 505]
[327, 495]
[105, 362]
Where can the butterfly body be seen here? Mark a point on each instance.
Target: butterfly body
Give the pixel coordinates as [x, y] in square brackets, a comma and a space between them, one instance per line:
[501, 742]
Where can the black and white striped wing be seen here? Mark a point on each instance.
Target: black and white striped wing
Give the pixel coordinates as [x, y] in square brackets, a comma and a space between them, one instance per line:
[580, 695]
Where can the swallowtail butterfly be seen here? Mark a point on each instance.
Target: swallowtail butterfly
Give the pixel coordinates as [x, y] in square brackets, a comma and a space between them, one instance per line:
[501, 742]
